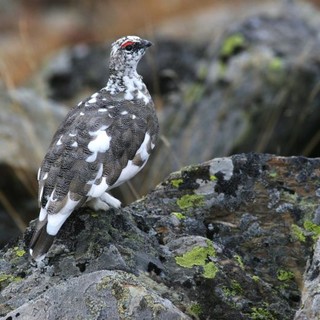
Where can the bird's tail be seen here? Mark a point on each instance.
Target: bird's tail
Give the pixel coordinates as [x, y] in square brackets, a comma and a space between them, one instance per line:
[41, 241]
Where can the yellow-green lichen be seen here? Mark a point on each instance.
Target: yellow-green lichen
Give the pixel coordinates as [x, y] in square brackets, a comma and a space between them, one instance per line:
[210, 270]
[231, 43]
[276, 64]
[178, 215]
[4, 277]
[273, 174]
[298, 233]
[233, 290]
[198, 256]
[261, 314]
[194, 93]
[213, 178]
[190, 200]
[176, 182]
[309, 228]
[313, 228]
[19, 252]
[222, 68]
[195, 310]
[255, 278]
[202, 71]
[284, 275]
[9, 277]
[239, 261]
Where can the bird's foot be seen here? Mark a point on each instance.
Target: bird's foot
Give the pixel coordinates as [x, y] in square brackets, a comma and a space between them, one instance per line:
[103, 202]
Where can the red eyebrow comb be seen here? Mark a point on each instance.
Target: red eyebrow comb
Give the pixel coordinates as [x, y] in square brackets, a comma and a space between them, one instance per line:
[127, 43]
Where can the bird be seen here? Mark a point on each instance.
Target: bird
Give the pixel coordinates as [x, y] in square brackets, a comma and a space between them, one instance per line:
[103, 142]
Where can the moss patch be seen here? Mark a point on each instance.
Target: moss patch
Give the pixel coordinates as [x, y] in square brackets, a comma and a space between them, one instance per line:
[190, 200]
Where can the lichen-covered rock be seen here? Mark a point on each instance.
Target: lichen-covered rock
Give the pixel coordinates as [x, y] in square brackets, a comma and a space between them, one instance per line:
[99, 295]
[252, 88]
[226, 239]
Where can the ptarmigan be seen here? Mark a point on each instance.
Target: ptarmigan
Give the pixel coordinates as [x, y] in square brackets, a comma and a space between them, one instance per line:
[104, 141]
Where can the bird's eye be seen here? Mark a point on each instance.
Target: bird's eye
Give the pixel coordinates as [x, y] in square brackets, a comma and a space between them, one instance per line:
[129, 47]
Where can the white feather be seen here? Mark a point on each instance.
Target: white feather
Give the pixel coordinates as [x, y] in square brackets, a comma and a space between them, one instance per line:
[56, 220]
[59, 142]
[94, 133]
[127, 173]
[109, 199]
[100, 143]
[92, 157]
[143, 150]
[43, 214]
[97, 190]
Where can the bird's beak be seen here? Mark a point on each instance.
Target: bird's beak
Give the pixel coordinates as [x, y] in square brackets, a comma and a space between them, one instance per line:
[146, 43]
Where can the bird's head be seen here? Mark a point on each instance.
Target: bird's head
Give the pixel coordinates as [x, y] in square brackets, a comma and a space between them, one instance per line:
[126, 52]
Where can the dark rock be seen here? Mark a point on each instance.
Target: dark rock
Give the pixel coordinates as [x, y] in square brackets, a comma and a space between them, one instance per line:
[205, 250]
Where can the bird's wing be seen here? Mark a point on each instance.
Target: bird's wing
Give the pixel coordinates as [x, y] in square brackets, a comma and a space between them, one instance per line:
[90, 150]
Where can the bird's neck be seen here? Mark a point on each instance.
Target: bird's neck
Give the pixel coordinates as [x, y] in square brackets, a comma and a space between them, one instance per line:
[129, 83]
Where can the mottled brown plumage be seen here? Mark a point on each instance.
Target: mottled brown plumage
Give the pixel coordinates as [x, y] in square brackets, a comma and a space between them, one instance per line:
[104, 141]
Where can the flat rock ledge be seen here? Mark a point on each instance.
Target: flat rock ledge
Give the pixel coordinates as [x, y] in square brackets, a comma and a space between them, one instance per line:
[231, 238]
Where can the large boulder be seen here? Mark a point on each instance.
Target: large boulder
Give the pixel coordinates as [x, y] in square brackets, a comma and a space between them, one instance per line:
[254, 89]
[226, 239]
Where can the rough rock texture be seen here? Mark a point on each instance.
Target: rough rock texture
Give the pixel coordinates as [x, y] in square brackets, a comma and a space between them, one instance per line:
[310, 300]
[253, 89]
[233, 90]
[226, 239]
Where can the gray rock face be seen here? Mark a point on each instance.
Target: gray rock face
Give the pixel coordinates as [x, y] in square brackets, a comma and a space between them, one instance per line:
[226, 239]
[108, 295]
[310, 300]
